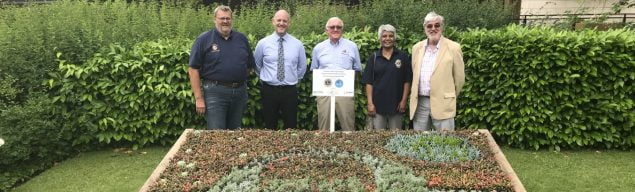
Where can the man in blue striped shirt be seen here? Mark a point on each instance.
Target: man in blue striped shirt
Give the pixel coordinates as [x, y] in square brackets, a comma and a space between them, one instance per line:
[280, 64]
[342, 54]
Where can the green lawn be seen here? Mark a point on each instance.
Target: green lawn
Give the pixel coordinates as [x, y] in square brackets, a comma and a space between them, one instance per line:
[584, 170]
[106, 170]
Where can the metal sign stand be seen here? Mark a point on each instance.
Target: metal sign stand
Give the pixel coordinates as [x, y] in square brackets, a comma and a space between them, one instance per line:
[332, 114]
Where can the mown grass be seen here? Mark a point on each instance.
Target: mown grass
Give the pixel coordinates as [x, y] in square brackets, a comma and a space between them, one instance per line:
[105, 170]
[581, 170]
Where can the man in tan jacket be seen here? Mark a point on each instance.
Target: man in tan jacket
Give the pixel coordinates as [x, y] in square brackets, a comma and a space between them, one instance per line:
[437, 79]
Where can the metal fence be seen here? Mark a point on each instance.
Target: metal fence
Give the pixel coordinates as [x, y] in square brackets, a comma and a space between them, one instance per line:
[610, 18]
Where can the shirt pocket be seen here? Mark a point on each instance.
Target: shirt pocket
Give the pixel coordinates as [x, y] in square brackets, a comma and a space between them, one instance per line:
[349, 57]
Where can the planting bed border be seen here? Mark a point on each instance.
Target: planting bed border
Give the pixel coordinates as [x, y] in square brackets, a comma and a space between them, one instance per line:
[498, 155]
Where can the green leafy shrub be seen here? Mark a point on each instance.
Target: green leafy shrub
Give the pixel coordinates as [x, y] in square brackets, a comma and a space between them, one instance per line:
[433, 147]
[310, 17]
[254, 20]
[465, 14]
[537, 87]
[33, 140]
[530, 87]
[30, 36]
[407, 15]
[140, 95]
[8, 91]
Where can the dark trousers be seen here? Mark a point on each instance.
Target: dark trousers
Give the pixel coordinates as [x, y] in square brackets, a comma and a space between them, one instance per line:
[277, 101]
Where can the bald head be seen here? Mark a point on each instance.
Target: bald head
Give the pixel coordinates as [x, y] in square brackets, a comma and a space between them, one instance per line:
[281, 21]
[281, 13]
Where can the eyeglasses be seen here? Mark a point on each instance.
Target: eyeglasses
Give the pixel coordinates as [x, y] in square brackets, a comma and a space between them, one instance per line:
[436, 25]
[335, 27]
[224, 18]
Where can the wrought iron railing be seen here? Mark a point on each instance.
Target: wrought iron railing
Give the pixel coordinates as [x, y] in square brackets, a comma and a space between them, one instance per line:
[622, 17]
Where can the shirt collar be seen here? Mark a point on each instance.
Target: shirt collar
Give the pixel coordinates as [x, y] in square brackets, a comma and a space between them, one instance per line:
[285, 36]
[231, 33]
[378, 52]
[438, 44]
[339, 41]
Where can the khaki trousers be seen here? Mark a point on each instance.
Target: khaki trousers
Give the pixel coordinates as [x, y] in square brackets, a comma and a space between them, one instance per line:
[392, 122]
[423, 121]
[344, 112]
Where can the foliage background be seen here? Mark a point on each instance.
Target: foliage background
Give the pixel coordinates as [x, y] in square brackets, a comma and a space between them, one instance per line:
[510, 66]
[532, 87]
[30, 37]
[540, 87]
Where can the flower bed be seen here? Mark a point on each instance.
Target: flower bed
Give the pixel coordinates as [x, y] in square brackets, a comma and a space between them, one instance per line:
[256, 160]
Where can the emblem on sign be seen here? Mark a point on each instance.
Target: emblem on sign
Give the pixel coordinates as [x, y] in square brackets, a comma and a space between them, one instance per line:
[327, 82]
[339, 83]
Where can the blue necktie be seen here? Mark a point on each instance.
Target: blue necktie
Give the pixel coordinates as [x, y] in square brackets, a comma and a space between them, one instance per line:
[280, 60]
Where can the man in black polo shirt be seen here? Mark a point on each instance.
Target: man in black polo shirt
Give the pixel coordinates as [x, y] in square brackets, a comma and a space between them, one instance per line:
[221, 57]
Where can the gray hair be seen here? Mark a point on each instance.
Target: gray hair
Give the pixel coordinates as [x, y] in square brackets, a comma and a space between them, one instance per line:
[386, 28]
[223, 8]
[333, 19]
[432, 16]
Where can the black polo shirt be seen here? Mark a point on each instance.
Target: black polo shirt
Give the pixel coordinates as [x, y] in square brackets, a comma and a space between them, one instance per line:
[222, 59]
[387, 78]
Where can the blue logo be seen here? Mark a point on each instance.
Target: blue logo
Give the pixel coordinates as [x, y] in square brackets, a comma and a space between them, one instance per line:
[339, 83]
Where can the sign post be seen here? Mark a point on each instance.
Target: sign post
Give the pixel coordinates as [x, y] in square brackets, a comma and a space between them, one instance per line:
[332, 83]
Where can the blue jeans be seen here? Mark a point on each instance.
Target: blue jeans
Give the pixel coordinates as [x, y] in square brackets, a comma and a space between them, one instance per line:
[224, 106]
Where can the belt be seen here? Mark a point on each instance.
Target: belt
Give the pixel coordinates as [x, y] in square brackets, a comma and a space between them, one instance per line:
[278, 86]
[226, 84]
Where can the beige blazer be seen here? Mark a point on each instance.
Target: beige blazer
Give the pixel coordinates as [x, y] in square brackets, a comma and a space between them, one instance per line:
[446, 81]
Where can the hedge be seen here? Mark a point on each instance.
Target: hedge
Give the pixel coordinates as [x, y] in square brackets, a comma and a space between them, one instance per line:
[535, 87]
[33, 140]
[532, 87]
[141, 95]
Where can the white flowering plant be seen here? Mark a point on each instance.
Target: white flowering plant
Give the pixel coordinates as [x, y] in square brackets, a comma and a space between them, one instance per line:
[1, 142]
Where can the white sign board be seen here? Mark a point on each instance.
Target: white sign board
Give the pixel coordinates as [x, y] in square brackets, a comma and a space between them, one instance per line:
[327, 82]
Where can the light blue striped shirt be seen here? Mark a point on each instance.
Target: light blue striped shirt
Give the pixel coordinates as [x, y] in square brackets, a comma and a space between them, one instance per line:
[342, 55]
[266, 57]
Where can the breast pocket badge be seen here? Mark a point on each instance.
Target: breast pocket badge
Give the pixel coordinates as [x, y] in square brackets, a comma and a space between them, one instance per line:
[215, 48]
